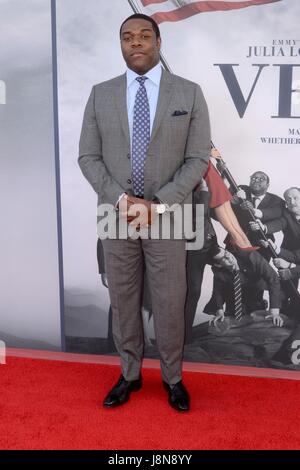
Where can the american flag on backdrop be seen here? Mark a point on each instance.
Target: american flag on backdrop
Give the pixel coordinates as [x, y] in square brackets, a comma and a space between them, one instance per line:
[175, 10]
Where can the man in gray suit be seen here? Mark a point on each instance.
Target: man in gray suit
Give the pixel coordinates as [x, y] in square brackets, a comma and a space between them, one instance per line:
[145, 139]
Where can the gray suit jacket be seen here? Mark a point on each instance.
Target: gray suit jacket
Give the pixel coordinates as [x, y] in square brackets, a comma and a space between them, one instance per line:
[179, 146]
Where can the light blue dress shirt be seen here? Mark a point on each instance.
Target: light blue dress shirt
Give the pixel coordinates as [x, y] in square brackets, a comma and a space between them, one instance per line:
[152, 88]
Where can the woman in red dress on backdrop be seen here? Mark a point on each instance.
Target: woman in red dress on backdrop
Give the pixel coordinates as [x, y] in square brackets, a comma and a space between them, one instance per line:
[220, 202]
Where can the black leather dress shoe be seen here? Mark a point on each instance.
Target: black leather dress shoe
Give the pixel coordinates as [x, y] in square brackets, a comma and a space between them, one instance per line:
[178, 396]
[120, 393]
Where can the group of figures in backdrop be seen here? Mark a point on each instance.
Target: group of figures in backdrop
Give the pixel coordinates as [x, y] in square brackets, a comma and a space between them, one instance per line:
[255, 303]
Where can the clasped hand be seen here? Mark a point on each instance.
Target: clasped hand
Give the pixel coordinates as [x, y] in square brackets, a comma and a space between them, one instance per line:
[257, 225]
[140, 213]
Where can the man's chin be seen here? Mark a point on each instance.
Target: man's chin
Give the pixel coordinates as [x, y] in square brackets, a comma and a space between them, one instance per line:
[138, 70]
[139, 65]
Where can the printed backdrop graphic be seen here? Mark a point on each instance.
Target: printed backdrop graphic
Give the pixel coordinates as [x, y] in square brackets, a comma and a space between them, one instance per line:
[175, 10]
[245, 56]
[29, 272]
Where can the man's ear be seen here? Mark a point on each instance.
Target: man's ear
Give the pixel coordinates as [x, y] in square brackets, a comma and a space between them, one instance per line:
[158, 42]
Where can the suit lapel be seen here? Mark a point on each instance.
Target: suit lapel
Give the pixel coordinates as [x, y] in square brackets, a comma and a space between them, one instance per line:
[293, 226]
[265, 201]
[120, 99]
[164, 97]
[296, 225]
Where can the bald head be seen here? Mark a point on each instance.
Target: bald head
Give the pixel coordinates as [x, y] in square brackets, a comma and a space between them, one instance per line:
[292, 199]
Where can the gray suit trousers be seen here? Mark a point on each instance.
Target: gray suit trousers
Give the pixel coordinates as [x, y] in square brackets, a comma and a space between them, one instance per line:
[165, 262]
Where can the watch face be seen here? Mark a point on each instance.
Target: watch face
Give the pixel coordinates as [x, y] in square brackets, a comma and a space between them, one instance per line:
[160, 208]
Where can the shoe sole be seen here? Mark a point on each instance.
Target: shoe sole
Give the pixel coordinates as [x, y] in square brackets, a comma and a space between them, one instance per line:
[181, 410]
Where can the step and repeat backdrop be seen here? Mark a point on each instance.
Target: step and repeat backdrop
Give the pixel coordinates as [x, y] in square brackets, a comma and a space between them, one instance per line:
[245, 56]
[30, 307]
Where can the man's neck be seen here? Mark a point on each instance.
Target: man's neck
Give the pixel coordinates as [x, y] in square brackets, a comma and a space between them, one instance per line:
[144, 72]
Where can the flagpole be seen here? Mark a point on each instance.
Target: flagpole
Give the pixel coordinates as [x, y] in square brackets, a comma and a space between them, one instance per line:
[162, 58]
[222, 167]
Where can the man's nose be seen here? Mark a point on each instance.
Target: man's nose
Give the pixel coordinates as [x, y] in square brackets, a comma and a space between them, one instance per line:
[135, 42]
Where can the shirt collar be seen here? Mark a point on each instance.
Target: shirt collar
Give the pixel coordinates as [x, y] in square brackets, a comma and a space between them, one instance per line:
[153, 74]
[258, 197]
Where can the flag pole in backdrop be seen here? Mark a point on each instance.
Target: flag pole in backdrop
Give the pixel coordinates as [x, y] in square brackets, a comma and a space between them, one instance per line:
[168, 69]
[201, 7]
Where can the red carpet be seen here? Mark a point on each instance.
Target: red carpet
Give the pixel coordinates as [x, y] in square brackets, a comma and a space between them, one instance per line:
[57, 405]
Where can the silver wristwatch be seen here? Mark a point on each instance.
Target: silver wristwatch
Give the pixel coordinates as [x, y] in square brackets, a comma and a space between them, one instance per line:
[160, 208]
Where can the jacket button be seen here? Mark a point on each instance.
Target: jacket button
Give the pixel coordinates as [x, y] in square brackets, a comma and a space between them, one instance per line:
[128, 155]
[129, 181]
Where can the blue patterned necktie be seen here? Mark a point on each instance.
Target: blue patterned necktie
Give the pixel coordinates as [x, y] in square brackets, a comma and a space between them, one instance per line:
[140, 136]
